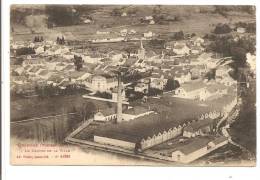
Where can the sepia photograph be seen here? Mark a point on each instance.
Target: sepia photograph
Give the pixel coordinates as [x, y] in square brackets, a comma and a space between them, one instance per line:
[133, 85]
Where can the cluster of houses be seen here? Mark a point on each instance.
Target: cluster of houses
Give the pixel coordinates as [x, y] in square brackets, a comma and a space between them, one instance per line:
[54, 64]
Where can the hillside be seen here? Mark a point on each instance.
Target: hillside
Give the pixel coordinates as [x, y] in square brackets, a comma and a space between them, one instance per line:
[190, 19]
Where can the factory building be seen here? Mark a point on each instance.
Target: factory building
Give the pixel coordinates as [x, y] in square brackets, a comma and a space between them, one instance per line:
[197, 148]
[143, 132]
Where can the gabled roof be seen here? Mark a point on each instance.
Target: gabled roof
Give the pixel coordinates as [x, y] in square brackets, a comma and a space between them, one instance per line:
[44, 72]
[35, 69]
[193, 145]
[195, 126]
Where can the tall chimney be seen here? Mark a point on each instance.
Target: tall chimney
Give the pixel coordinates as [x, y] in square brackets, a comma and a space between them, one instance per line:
[119, 100]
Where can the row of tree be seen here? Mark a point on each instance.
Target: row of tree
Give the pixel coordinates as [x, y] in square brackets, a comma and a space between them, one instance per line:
[237, 49]
[38, 39]
[50, 90]
[225, 28]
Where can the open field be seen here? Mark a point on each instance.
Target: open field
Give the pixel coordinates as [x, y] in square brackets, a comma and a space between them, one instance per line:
[191, 20]
[26, 108]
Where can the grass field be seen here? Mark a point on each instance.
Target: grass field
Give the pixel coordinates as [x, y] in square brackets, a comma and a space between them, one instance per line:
[191, 20]
[26, 108]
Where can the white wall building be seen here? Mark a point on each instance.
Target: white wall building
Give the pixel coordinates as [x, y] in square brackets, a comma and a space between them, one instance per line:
[101, 83]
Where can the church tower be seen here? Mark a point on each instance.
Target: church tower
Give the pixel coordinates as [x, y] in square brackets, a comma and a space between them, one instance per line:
[141, 51]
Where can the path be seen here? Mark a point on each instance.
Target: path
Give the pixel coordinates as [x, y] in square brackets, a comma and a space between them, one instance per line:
[80, 128]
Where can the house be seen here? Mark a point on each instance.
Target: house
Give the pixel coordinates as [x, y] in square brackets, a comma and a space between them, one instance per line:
[124, 14]
[196, 50]
[151, 22]
[241, 30]
[197, 41]
[157, 83]
[39, 50]
[157, 79]
[35, 61]
[84, 76]
[34, 70]
[69, 68]
[197, 148]
[105, 115]
[165, 67]
[141, 87]
[20, 70]
[148, 34]
[45, 74]
[61, 51]
[68, 56]
[181, 49]
[169, 45]
[148, 17]
[55, 79]
[197, 71]
[101, 83]
[251, 60]
[204, 57]
[132, 31]
[19, 79]
[182, 76]
[222, 71]
[193, 90]
[60, 66]
[87, 21]
[123, 32]
[199, 128]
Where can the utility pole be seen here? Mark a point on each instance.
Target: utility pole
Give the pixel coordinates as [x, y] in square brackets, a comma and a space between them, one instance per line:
[119, 100]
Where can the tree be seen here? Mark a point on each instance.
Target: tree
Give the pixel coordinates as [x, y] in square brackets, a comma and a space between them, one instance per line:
[62, 15]
[227, 46]
[222, 29]
[211, 74]
[171, 85]
[105, 95]
[239, 55]
[132, 95]
[116, 12]
[178, 35]
[88, 110]
[78, 62]
[156, 43]
[154, 92]
[193, 35]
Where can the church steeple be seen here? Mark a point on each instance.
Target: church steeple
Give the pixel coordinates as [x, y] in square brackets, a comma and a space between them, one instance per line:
[162, 57]
[141, 45]
[141, 51]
